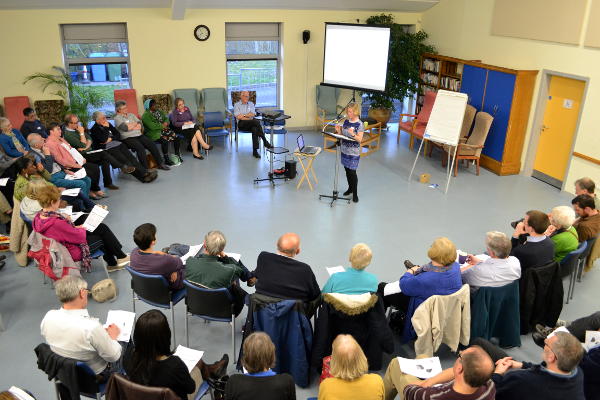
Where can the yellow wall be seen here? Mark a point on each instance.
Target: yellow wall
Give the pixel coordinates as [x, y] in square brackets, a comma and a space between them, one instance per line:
[164, 54]
[461, 28]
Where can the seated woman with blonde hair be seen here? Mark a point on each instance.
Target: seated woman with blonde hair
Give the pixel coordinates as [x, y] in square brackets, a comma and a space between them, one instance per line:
[348, 368]
[354, 280]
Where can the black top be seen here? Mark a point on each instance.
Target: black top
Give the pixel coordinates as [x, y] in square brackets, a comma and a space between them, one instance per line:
[285, 278]
[100, 135]
[535, 382]
[533, 254]
[245, 387]
[33, 127]
[170, 373]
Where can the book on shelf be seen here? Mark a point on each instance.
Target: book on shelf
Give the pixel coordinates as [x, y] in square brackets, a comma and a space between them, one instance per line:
[429, 78]
[431, 65]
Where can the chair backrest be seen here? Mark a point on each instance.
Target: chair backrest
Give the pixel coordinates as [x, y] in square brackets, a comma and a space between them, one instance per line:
[425, 112]
[86, 378]
[470, 112]
[483, 122]
[327, 99]
[570, 260]
[236, 95]
[13, 108]
[214, 100]
[214, 120]
[121, 388]
[211, 303]
[191, 98]
[130, 97]
[164, 101]
[588, 249]
[49, 111]
[541, 296]
[151, 288]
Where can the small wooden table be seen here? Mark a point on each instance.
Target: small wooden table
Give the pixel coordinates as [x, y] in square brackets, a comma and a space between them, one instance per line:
[310, 158]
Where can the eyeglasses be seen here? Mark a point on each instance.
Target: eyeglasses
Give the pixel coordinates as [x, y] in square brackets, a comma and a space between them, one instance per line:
[548, 346]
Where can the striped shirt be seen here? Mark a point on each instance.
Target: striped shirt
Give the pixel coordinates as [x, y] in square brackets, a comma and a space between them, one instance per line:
[446, 392]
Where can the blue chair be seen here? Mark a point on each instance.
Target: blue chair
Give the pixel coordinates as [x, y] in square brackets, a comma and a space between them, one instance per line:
[569, 265]
[203, 390]
[154, 289]
[210, 305]
[580, 265]
[215, 100]
[214, 126]
[278, 129]
[88, 386]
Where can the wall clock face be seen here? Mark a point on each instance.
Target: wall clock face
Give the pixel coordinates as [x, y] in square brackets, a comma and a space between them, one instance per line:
[201, 33]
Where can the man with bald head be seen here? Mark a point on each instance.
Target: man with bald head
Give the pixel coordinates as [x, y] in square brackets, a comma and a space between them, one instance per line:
[469, 378]
[244, 112]
[281, 275]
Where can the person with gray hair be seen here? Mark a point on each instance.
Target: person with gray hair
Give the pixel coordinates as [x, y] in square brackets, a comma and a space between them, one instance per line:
[130, 130]
[244, 113]
[214, 269]
[71, 332]
[562, 232]
[497, 268]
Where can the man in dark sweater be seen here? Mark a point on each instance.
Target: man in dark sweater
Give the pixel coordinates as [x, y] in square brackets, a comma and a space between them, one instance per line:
[588, 223]
[556, 378]
[280, 275]
[529, 244]
[32, 124]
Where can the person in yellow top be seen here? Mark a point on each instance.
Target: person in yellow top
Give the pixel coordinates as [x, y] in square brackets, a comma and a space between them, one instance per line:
[349, 368]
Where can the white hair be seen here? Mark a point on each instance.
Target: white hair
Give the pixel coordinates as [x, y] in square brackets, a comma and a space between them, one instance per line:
[67, 288]
[499, 243]
[214, 242]
[562, 217]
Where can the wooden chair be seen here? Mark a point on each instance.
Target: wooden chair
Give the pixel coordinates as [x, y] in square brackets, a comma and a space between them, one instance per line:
[471, 150]
[470, 112]
[416, 126]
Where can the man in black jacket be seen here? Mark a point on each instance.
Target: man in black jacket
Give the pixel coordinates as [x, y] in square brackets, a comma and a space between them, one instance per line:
[280, 275]
[529, 243]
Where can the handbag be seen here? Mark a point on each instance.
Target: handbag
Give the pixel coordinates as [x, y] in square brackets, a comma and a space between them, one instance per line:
[152, 164]
[105, 290]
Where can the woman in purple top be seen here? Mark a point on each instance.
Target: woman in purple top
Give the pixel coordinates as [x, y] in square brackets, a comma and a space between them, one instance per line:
[181, 116]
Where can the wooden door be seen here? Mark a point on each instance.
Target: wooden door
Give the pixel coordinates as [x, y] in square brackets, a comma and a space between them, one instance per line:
[558, 130]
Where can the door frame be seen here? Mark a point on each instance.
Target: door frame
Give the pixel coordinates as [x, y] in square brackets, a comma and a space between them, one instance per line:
[538, 120]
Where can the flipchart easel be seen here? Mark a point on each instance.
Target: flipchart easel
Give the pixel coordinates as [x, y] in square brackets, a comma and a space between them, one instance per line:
[444, 125]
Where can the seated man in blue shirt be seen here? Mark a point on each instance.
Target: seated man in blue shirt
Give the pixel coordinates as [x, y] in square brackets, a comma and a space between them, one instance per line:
[244, 112]
[32, 124]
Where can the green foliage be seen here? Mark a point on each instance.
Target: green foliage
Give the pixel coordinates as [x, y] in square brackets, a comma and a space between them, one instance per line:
[403, 62]
[79, 100]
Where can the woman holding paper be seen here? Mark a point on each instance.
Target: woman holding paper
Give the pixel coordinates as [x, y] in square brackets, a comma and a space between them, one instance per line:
[183, 122]
[50, 223]
[152, 363]
[353, 128]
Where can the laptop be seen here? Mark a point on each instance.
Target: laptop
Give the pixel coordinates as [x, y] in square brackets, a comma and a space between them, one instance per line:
[305, 149]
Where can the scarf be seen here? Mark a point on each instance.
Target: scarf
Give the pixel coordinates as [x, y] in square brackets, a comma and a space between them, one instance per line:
[86, 260]
[16, 141]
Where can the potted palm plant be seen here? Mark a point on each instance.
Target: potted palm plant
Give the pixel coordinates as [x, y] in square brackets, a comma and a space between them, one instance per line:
[403, 67]
[79, 100]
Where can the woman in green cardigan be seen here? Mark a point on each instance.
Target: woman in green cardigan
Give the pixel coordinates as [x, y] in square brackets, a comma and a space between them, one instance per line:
[156, 127]
[562, 232]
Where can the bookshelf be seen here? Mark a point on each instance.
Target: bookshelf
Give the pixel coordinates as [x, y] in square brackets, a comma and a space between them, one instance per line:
[438, 72]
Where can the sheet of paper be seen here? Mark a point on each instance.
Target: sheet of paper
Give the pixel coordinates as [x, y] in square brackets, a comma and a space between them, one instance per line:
[3, 181]
[191, 253]
[75, 216]
[592, 339]
[423, 368]
[187, 126]
[96, 216]
[391, 288]
[190, 357]
[19, 393]
[559, 329]
[77, 156]
[122, 319]
[68, 210]
[77, 175]
[70, 192]
[94, 151]
[333, 270]
[235, 256]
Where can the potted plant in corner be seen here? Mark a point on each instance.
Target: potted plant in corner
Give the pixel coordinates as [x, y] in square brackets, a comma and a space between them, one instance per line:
[403, 67]
[79, 100]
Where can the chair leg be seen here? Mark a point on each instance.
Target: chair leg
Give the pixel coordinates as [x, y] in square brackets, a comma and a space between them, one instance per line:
[187, 332]
[571, 277]
[56, 390]
[233, 337]
[133, 300]
[455, 167]
[173, 323]
[477, 166]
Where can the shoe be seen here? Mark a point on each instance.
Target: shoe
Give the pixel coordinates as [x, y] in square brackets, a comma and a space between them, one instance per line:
[210, 147]
[112, 187]
[538, 339]
[169, 162]
[2, 264]
[149, 177]
[180, 158]
[543, 330]
[2, 257]
[218, 369]
[200, 157]
[122, 262]
[127, 169]
[94, 197]
[164, 167]
[255, 154]
[355, 198]
[347, 192]
[113, 268]
[408, 264]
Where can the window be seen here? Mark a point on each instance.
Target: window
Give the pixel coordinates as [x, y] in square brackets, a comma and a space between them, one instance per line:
[97, 56]
[253, 60]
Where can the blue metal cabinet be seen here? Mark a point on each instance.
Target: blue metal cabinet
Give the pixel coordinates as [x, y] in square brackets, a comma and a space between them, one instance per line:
[473, 84]
[498, 102]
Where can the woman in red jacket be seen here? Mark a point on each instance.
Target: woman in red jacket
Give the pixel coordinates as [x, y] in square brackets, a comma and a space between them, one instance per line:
[50, 223]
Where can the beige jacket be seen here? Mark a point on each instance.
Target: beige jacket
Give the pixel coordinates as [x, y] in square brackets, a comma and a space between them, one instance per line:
[443, 319]
[18, 235]
[593, 256]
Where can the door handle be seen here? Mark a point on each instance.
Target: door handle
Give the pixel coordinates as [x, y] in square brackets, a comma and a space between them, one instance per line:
[544, 127]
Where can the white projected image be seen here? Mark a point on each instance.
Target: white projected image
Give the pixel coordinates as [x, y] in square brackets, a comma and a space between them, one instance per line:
[356, 56]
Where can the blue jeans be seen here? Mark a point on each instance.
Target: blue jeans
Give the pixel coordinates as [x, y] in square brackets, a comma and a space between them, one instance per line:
[84, 184]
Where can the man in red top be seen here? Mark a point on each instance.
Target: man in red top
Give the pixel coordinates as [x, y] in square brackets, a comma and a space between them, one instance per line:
[61, 151]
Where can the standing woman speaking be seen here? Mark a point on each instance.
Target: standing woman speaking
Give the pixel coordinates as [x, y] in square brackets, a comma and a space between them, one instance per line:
[353, 128]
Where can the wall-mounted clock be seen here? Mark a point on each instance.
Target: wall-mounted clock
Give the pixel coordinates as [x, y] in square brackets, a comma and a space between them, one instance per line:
[201, 33]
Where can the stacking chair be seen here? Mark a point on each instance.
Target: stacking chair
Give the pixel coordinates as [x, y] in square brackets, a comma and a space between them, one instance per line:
[235, 97]
[327, 105]
[191, 98]
[13, 108]
[154, 290]
[571, 264]
[210, 305]
[215, 100]
[415, 127]
[214, 126]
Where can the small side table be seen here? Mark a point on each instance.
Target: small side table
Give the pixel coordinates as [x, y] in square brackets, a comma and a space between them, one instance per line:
[310, 158]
